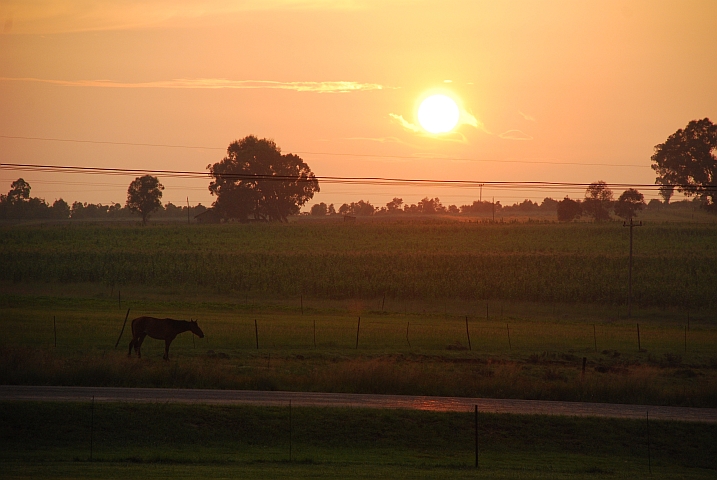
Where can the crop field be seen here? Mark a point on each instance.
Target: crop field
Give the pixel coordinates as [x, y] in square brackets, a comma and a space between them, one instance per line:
[675, 265]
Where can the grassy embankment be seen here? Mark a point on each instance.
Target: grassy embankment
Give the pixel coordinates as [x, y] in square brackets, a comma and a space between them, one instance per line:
[131, 440]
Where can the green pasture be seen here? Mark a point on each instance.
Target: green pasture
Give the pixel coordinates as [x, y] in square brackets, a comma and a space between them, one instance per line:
[160, 440]
[542, 359]
[675, 265]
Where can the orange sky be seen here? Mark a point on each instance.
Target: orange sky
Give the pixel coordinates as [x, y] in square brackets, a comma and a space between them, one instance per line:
[546, 81]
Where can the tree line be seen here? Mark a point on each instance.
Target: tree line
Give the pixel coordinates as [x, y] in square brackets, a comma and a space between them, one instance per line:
[256, 182]
[19, 205]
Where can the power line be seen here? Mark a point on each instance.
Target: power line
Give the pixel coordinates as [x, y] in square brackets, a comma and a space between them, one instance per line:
[402, 157]
[326, 179]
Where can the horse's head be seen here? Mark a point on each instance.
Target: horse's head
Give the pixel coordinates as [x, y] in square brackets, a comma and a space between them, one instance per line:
[195, 329]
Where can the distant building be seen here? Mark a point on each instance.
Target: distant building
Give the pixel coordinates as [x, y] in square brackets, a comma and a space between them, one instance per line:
[210, 215]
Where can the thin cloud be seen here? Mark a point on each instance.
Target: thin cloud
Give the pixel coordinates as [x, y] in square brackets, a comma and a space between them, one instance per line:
[405, 123]
[515, 135]
[527, 117]
[60, 16]
[215, 83]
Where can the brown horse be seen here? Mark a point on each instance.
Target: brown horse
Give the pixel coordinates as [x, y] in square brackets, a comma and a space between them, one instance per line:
[162, 329]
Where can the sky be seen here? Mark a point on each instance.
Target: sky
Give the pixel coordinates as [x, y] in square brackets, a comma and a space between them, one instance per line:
[556, 91]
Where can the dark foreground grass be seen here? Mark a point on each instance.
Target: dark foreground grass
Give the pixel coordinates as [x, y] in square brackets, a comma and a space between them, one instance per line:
[161, 440]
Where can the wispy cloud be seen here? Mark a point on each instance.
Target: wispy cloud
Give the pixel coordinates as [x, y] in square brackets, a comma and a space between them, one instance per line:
[527, 117]
[515, 135]
[61, 16]
[405, 123]
[214, 83]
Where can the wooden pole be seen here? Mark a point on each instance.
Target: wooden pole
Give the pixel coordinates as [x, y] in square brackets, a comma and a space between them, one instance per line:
[639, 347]
[92, 424]
[256, 333]
[409, 342]
[468, 334]
[54, 327]
[510, 347]
[595, 338]
[649, 459]
[122, 331]
[476, 431]
[358, 328]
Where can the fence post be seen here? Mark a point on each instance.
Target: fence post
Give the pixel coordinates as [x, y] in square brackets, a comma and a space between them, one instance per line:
[409, 342]
[358, 328]
[92, 424]
[649, 459]
[468, 334]
[256, 333]
[595, 337]
[476, 431]
[122, 331]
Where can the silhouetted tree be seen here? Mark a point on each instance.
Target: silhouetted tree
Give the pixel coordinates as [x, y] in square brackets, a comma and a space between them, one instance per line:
[630, 202]
[143, 196]
[569, 210]
[666, 192]
[687, 160]
[60, 209]
[255, 179]
[357, 208]
[319, 209]
[598, 201]
[19, 191]
[431, 205]
[394, 206]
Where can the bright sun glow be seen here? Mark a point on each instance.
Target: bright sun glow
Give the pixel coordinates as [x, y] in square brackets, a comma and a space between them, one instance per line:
[438, 114]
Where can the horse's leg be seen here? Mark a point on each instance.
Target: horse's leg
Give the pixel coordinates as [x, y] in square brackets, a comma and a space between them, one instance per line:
[138, 345]
[167, 342]
[131, 344]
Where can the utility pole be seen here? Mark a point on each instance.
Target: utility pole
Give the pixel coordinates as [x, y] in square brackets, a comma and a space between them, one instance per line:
[188, 222]
[629, 275]
[481, 193]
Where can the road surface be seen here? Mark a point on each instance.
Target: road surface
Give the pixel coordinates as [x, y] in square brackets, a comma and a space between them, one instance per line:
[314, 399]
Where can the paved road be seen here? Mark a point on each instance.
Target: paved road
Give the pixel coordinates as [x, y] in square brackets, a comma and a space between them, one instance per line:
[308, 399]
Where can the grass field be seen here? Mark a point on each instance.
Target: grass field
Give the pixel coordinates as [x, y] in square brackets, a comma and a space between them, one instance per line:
[131, 440]
[675, 265]
[542, 359]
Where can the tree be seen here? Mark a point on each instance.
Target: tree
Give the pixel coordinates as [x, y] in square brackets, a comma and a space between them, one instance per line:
[394, 205]
[320, 209]
[630, 202]
[143, 196]
[255, 179]
[569, 210]
[598, 201]
[19, 191]
[60, 209]
[687, 161]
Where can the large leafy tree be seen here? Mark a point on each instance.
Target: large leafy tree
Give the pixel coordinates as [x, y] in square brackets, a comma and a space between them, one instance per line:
[598, 201]
[144, 196]
[687, 161]
[256, 181]
[630, 202]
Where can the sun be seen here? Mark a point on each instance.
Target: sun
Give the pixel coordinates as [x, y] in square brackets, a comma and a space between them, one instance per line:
[438, 114]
